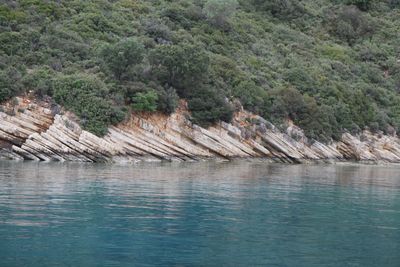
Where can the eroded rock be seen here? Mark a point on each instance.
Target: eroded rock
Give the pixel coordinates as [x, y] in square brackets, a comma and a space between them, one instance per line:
[34, 131]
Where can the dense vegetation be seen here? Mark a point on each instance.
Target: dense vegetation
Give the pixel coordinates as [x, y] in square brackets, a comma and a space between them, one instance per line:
[329, 65]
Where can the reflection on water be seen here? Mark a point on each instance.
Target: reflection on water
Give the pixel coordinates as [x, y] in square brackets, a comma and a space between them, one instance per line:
[199, 214]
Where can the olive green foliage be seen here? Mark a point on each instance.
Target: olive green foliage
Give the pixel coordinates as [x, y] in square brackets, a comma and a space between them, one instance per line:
[362, 4]
[9, 83]
[121, 56]
[145, 101]
[180, 66]
[208, 106]
[352, 24]
[40, 80]
[284, 9]
[331, 66]
[167, 100]
[87, 96]
[219, 11]
[252, 96]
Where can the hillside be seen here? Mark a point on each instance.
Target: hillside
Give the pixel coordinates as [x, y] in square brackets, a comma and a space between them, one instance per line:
[330, 66]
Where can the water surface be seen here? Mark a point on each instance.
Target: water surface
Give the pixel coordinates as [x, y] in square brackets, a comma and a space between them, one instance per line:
[199, 214]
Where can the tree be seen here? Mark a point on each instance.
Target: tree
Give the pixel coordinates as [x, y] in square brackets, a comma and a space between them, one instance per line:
[361, 4]
[181, 66]
[283, 9]
[218, 12]
[351, 24]
[121, 56]
[287, 102]
[208, 106]
[251, 96]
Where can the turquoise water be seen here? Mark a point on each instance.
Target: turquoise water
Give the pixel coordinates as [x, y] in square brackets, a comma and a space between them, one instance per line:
[200, 214]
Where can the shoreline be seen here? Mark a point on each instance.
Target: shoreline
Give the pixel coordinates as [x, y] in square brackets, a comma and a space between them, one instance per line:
[213, 161]
[31, 130]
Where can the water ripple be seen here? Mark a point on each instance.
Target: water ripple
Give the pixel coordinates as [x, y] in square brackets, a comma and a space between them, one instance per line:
[205, 214]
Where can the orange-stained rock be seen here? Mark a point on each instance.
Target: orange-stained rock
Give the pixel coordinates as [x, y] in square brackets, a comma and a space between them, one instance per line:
[29, 130]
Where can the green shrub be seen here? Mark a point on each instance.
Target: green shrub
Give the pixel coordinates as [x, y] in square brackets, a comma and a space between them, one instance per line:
[158, 30]
[180, 66]
[286, 102]
[218, 12]
[40, 81]
[5, 87]
[284, 9]
[167, 100]
[251, 96]
[351, 24]
[393, 3]
[145, 101]
[121, 56]
[176, 13]
[361, 4]
[10, 83]
[87, 96]
[207, 107]
[9, 15]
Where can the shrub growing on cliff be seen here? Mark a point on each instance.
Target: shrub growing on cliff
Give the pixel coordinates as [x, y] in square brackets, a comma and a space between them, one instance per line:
[6, 90]
[208, 107]
[87, 96]
[10, 83]
[40, 81]
[167, 100]
[251, 96]
[145, 101]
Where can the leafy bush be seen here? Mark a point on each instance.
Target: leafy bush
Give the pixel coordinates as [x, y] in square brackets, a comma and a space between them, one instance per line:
[5, 88]
[351, 25]
[393, 3]
[251, 96]
[361, 4]
[40, 81]
[208, 107]
[145, 101]
[167, 100]
[158, 30]
[121, 56]
[179, 66]
[87, 96]
[218, 12]
[284, 9]
[10, 83]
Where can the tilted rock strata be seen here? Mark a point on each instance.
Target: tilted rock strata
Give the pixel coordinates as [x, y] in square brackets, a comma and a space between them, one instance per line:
[32, 132]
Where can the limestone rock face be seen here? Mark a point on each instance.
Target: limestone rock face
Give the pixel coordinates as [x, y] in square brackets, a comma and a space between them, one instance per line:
[30, 131]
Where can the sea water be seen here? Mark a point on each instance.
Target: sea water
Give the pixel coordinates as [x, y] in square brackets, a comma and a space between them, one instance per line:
[199, 214]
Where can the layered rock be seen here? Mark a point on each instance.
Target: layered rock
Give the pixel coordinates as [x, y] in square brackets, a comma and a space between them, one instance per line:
[32, 131]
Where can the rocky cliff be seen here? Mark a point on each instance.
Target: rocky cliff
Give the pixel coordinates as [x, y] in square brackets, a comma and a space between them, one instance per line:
[36, 130]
